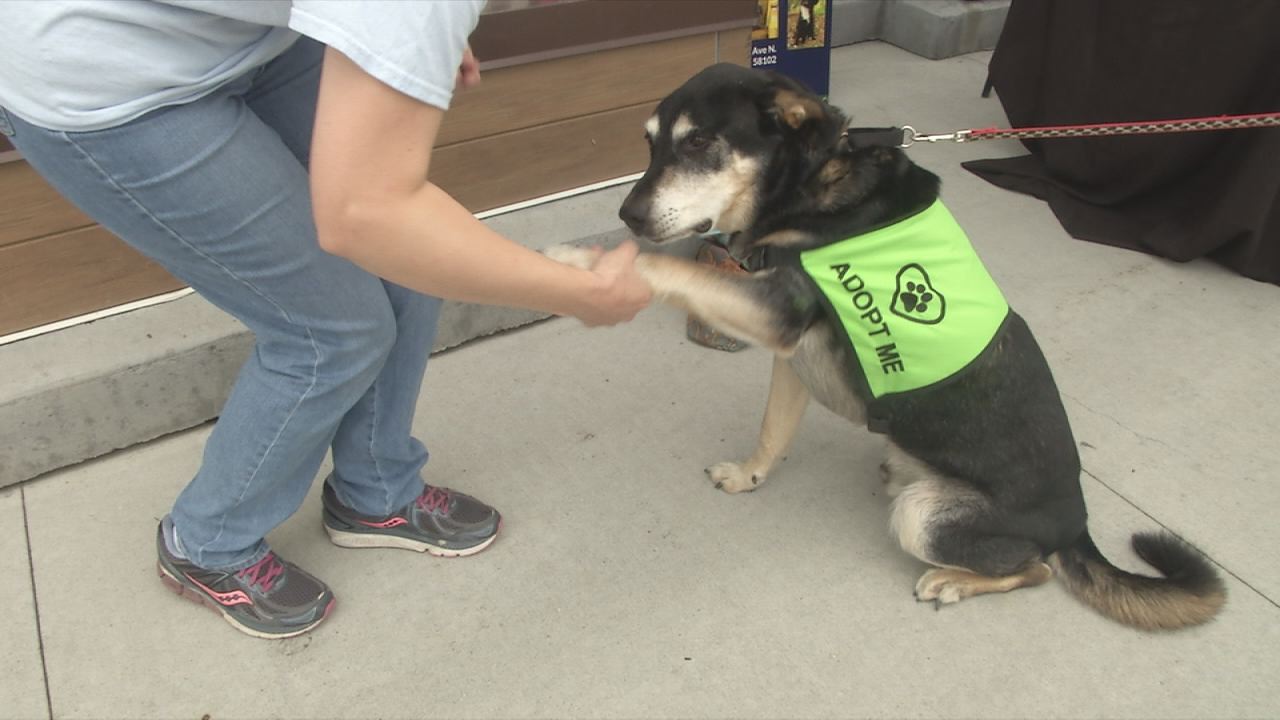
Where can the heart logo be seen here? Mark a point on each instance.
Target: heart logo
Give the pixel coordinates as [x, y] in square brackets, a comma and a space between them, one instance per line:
[916, 299]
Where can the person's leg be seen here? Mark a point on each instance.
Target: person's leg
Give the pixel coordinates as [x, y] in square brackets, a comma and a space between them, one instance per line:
[216, 196]
[376, 460]
[375, 496]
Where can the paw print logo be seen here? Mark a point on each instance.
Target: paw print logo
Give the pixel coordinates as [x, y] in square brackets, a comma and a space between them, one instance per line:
[915, 297]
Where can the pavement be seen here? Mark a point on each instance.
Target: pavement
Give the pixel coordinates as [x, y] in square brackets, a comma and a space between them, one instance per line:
[625, 586]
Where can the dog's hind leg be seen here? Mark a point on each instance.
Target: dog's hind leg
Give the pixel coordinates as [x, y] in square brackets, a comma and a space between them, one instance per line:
[788, 398]
[975, 564]
[934, 519]
[946, 585]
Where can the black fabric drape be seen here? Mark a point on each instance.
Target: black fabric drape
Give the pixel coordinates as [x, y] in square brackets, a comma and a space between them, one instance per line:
[1179, 196]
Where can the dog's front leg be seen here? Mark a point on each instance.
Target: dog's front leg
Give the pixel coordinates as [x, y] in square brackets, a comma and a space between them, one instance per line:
[788, 398]
[769, 309]
[750, 307]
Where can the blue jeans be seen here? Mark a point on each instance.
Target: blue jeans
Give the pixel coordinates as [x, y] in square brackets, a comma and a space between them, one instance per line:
[217, 192]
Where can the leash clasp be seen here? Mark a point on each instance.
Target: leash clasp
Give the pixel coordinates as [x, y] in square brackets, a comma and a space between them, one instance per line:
[911, 137]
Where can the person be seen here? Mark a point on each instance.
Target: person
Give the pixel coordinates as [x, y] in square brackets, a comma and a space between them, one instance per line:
[276, 157]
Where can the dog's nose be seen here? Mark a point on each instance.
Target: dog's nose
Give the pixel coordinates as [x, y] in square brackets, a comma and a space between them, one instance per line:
[634, 212]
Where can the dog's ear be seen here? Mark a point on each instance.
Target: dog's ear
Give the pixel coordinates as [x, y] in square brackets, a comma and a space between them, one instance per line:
[795, 110]
[789, 109]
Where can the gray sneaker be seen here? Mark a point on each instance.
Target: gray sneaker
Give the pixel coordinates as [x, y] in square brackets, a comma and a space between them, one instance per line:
[269, 599]
[442, 522]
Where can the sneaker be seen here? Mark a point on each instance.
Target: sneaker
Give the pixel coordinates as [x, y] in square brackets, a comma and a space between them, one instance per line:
[269, 599]
[441, 521]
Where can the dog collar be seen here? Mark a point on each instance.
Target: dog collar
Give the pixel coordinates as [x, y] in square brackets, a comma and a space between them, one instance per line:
[874, 137]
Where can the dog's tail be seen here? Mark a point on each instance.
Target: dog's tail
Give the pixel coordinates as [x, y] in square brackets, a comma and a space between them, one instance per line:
[1190, 593]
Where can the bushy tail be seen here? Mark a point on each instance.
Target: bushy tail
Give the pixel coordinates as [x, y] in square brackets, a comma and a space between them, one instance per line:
[1190, 593]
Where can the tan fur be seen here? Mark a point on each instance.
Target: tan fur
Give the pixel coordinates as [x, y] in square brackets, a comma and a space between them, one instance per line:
[1156, 607]
[726, 197]
[834, 171]
[788, 398]
[901, 470]
[949, 585]
[795, 109]
[784, 238]
[741, 209]
[713, 296]
[922, 499]
[823, 373]
[680, 128]
[837, 185]
[710, 294]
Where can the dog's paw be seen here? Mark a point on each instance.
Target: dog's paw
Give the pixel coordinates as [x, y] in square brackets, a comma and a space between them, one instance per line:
[579, 257]
[733, 478]
[942, 586]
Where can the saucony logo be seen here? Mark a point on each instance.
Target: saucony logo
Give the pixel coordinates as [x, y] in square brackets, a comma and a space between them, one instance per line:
[393, 522]
[229, 599]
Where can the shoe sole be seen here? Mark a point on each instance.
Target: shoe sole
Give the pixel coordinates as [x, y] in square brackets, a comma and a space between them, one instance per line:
[346, 539]
[183, 590]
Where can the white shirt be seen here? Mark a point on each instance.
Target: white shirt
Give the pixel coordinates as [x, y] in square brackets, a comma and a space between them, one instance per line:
[79, 65]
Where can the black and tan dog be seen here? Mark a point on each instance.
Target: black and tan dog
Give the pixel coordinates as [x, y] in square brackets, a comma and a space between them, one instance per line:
[806, 30]
[982, 464]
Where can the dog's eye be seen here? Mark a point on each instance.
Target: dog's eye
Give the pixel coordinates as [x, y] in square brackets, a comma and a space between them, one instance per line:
[697, 141]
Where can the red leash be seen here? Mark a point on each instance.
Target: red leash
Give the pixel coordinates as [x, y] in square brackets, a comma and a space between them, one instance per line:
[1146, 127]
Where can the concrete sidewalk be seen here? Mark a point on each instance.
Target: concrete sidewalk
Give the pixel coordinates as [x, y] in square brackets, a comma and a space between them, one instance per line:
[626, 586]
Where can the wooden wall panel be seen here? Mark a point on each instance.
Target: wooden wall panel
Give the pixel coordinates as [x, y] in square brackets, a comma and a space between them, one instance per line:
[499, 170]
[559, 30]
[734, 46]
[30, 208]
[523, 96]
[72, 273]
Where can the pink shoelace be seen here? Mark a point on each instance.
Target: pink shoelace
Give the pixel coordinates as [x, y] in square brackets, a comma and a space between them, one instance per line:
[434, 500]
[263, 573]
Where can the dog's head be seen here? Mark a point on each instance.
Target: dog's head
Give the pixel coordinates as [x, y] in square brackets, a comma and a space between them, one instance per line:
[721, 145]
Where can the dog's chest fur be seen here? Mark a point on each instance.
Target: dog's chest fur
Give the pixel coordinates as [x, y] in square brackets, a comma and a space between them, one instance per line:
[821, 364]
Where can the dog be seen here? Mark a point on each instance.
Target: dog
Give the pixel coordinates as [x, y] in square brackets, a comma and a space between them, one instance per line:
[805, 30]
[982, 465]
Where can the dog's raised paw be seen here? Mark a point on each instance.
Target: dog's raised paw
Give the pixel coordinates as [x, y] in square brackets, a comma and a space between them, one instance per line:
[579, 257]
[733, 478]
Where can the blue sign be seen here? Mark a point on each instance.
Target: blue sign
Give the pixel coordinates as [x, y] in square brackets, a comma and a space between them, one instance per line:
[793, 37]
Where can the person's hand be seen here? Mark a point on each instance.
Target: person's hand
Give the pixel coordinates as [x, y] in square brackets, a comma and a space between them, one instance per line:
[469, 72]
[621, 292]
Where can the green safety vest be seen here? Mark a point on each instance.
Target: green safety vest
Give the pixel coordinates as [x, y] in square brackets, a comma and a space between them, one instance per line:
[913, 299]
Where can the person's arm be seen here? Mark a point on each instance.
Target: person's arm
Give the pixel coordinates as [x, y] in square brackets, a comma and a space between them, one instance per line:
[374, 205]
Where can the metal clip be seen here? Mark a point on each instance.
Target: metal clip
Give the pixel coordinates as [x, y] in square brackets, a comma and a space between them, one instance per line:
[911, 137]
